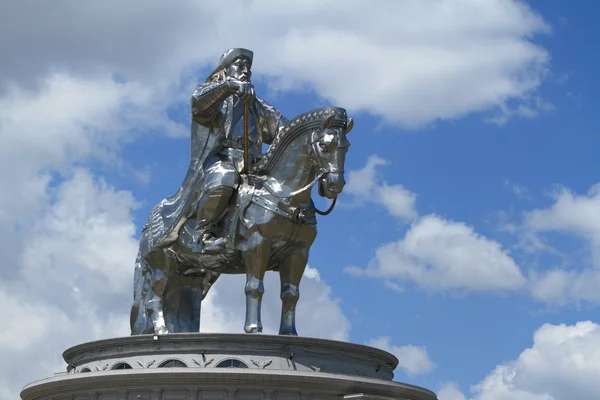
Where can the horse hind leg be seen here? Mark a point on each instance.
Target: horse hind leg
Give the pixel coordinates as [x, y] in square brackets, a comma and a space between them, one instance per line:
[155, 303]
[182, 300]
[182, 305]
[291, 270]
[158, 267]
[209, 279]
[199, 292]
[146, 315]
[139, 320]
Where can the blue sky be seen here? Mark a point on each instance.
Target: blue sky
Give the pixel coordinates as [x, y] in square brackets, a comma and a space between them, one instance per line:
[466, 241]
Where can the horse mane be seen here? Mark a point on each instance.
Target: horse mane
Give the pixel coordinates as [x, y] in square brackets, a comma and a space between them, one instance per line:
[302, 124]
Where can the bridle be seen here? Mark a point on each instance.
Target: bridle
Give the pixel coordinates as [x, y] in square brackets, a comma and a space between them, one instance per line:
[322, 173]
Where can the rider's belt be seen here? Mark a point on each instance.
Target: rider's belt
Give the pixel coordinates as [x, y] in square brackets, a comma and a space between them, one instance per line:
[238, 155]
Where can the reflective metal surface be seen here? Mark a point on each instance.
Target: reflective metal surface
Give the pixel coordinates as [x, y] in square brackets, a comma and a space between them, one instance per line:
[222, 221]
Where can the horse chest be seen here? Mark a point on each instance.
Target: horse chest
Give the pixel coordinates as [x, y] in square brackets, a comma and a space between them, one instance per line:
[278, 226]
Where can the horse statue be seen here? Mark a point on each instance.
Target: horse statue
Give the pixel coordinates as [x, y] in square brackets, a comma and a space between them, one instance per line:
[269, 225]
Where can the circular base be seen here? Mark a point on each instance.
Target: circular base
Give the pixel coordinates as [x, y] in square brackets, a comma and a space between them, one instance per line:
[224, 367]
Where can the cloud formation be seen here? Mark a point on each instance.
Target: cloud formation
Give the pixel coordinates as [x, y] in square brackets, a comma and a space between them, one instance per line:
[435, 253]
[563, 363]
[574, 215]
[69, 278]
[412, 360]
[418, 61]
[443, 255]
[366, 184]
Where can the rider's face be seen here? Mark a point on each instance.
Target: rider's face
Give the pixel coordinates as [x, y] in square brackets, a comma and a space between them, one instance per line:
[240, 70]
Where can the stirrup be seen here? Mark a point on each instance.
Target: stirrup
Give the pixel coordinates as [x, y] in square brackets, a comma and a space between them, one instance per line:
[211, 244]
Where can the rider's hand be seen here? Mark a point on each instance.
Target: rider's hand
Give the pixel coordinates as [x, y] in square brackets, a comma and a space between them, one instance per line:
[233, 84]
[246, 92]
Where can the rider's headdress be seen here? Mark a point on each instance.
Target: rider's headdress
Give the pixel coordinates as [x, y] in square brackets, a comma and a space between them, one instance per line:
[230, 56]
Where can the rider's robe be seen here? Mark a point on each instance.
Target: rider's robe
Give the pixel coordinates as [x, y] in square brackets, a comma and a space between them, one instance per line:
[208, 136]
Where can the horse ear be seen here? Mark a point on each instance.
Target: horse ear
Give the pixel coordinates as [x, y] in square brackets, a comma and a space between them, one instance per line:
[349, 126]
[328, 122]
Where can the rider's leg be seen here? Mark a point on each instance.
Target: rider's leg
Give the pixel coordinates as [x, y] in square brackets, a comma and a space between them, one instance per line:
[220, 181]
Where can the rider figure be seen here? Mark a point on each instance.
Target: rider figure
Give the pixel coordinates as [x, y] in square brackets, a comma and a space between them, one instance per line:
[218, 106]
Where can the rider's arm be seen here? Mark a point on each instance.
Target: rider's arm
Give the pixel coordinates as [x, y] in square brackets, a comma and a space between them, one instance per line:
[271, 121]
[207, 99]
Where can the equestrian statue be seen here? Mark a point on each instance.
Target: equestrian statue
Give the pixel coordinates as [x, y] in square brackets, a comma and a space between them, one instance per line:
[238, 211]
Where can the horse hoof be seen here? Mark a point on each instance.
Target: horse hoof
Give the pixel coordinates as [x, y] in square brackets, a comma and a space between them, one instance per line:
[253, 328]
[161, 331]
[288, 333]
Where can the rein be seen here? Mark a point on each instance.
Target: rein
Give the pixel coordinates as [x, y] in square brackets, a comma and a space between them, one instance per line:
[296, 192]
[303, 189]
[330, 209]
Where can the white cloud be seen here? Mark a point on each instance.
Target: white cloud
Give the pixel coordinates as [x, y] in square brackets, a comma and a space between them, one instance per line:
[399, 202]
[440, 60]
[413, 360]
[73, 120]
[562, 287]
[69, 280]
[518, 190]
[529, 107]
[366, 185]
[363, 182]
[443, 255]
[450, 391]
[570, 214]
[573, 214]
[68, 237]
[85, 240]
[562, 364]
[435, 253]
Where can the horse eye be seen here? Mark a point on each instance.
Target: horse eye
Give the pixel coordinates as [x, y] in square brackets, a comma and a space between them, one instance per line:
[324, 148]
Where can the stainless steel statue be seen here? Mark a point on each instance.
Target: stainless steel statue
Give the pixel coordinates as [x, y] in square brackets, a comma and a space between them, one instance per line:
[238, 211]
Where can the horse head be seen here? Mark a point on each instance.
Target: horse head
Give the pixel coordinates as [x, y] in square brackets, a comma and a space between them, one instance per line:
[329, 147]
[324, 131]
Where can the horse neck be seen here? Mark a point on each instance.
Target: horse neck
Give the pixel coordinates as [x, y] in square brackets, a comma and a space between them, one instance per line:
[294, 170]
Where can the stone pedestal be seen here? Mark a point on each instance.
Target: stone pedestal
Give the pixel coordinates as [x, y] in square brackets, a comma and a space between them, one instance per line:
[224, 367]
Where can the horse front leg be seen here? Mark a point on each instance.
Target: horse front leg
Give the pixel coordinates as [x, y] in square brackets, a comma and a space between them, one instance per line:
[255, 257]
[291, 270]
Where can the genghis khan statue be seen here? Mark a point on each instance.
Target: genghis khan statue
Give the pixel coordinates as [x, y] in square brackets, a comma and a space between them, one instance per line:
[236, 210]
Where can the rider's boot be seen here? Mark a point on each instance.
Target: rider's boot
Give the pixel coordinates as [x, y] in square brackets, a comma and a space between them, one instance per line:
[211, 208]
